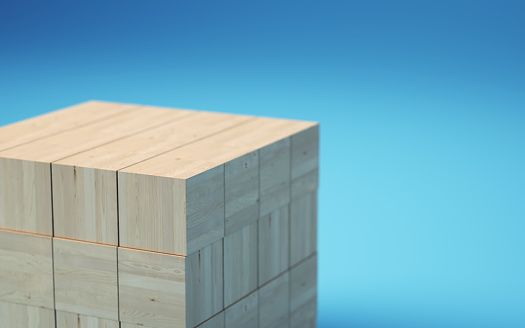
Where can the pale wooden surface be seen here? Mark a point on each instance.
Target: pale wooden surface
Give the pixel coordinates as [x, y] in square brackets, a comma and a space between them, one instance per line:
[13, 315]
[274, 303]
[85, 204]
[58, 121]
[303, 293]
[73, 320]
[273, 244]
[303, 227]
[275, 176]
[25, 196]
[241, 188]
[216, 322]
[245, 313]
[204, 284]
[240, 263]
[26, 269]
[86, 278]
[152, 288]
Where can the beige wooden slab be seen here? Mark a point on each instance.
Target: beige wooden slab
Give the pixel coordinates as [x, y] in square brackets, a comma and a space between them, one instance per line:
[275, 176]
[273, 303]
[241, 183]
[216, 322]
[240, 263]
[73, 320]
[58, 121]
[303, 293]
[26, 269]
[86, 278]
[273, 244]
[204, 284]
[13, 315]
[245, 313]
[303, 227]
[152, 289]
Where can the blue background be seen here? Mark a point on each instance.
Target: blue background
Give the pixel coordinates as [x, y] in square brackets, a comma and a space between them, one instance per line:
[422, 208]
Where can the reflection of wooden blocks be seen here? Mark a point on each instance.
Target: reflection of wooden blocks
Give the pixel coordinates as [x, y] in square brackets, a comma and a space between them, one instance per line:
[115, 215]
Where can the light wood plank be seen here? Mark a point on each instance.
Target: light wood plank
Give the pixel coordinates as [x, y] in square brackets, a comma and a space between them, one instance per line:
[152, 289]
[275, 176]
[245, 313]
[26, 269]
[204, 284]
[86, 278]
[273, 244]
[73, 320]
[273, 303]
[303, 231]
[13, 315]
[303, 293]
[241, 183]
[216, 322]
[240, 264]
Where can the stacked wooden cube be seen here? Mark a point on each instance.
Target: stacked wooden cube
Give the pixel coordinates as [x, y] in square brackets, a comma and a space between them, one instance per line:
[115, 215]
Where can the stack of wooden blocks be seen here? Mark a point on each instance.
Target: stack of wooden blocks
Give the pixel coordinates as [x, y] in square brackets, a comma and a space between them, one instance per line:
[115, 215]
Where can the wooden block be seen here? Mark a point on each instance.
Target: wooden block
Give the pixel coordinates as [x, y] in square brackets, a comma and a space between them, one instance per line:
[13, 315]
[216, 322]
[273, 303]
[273, 244]
[73, 320]
[275, 176]
[305, 152]
[241, 183]
[25, 196]
[86, 278]
[26, 269]
[240, 264]
[245, 313]
[303, 231]
[303, 294]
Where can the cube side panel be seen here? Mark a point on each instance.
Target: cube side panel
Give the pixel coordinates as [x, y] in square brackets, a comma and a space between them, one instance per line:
[274, 188]
[74, 320]
[274, 303]
[273, 244]
[13, 315]
[303, 293]
[305, 152]
[216, 322]
[244, 313]
[303, 227]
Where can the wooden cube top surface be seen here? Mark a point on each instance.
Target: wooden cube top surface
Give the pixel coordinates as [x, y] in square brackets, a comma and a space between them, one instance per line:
[175, 143]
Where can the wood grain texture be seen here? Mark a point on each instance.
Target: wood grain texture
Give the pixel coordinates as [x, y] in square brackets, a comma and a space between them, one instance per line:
[273, 303]
[303, 293]
[216, 322]
[85, 204]
[204, 284]
[13, 315]
[240, 263]
[58, 121]
[26, 269]
[303, 227]
[241, 183]
[152, 213]
[152, 289]
[305, 152]
[86, 278]
[25, 196]
[273, 244]
[205, 209]
[73, 320]
[275, 176]
[245, 313]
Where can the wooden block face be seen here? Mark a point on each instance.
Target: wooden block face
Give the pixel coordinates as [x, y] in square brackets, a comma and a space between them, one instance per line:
[273, 244]
[86, 278]
[273, 303]
[305, 152]
[303, 233]
[240, 263]
[307, 183]
[205, 208]
[25, 196]
[152, 213]
[303, 293]
[73, 320]
[241, 177]
[85, 204]
[216, 322]
[274, 176]
[204, 283]
[152, 289]
[26, 269]
[13, 315]
[245, 313]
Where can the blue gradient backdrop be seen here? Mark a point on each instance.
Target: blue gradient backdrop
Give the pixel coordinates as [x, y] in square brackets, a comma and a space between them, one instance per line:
[422, 107]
